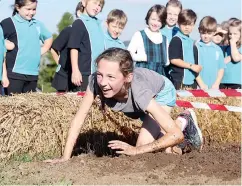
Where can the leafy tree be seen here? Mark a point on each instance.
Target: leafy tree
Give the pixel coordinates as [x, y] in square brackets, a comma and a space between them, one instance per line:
[48, 65]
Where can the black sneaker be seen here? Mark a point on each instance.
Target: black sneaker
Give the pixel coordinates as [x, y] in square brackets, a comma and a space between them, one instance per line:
[192, 133]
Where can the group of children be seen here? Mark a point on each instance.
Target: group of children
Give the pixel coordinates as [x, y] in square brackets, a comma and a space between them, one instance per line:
[92, 60]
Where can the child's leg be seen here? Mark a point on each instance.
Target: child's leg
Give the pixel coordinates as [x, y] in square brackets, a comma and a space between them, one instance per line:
[150, 129]
[30, 86]
[15, 86]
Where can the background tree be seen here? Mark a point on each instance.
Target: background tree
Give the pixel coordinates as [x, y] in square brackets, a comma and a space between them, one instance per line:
[48, 65]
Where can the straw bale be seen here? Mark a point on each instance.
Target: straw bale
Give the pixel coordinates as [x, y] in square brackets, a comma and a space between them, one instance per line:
[37, 124]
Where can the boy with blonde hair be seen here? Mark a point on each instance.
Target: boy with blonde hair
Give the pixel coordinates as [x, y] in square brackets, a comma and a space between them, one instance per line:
[115, 23]
[210, 55]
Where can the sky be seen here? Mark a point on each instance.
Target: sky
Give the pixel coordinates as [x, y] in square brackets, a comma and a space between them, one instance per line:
[51, 11]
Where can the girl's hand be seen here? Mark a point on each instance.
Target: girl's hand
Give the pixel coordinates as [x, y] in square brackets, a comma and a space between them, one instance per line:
[57, 160]
[233, 39]
[5, 82]
[76, 78]
[204, 87]
[215, 86]
[125, 148]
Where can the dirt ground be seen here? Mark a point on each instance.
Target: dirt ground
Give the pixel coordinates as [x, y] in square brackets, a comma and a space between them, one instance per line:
[214, 165]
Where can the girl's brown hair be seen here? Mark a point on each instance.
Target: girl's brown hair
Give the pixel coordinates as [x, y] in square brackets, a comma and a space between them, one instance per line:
[238, 24]
[21, 3]
[161, 12]
[121, 56]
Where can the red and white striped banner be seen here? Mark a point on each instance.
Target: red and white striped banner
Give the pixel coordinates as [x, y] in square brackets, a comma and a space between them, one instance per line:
[210, 93]
[208, 106]
[198, 93]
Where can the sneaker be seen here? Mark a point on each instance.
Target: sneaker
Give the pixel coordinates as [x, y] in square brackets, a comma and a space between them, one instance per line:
[192, 132]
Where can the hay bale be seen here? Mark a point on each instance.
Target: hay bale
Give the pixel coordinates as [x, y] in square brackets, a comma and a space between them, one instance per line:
[37, 124]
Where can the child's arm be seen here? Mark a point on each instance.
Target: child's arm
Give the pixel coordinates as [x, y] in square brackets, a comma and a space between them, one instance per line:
[55, 55]
[136, 48]
[235, 55]
[76, 125]
[76, 76]
[46, 46]
[219, 79]
[200, 83]
[5, 81]
[173, 135]
[183, 64]
[9, 45]
[227, 59]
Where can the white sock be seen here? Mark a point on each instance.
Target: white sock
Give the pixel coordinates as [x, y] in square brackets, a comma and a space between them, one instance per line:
[183, 122]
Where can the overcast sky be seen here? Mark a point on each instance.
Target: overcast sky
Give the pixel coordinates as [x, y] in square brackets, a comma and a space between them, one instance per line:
[51, 11]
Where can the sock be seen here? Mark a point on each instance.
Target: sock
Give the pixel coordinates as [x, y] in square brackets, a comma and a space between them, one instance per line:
[183, 122]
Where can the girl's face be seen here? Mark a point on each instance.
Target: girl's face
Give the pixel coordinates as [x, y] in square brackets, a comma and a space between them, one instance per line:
[172, 15]
[110, 79]
[207, 37]
[28, 11]
[154, 22]
[234, 33]
[92, 7]
[218, 38]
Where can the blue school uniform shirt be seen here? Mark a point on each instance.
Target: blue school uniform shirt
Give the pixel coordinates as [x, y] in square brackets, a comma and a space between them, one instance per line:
[169, 32]
[25, 58]
[96, 37]
[232, 73]
[110, 42]
[211, 58]
[188, 56]
[2, 51]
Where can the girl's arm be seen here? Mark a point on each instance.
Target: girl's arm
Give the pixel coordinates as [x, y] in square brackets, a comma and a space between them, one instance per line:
[55, 55]
[76, 76]
[173, 135]
[219, 79]
[46, 46]
[235, 55]
[200, 82]
[5, 81]
[227, 59]
[136, 48]
[76, 125]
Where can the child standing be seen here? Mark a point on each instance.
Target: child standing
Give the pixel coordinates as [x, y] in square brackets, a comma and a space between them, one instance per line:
[210, 56]
[149, 47]
[140, 93]
[86, 42]
[173, 9]
[61, 54]
[115, 23]
[4, 45]
[181, 53]
[232, 73]
[25, 32]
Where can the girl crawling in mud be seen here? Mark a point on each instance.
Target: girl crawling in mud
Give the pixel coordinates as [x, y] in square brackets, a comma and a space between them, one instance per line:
[136, 92]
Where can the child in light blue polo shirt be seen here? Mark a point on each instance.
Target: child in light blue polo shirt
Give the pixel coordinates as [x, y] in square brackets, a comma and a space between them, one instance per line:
[25, 32]
[115, 23]
[232, 74]
[210, 56]
[173, 9]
